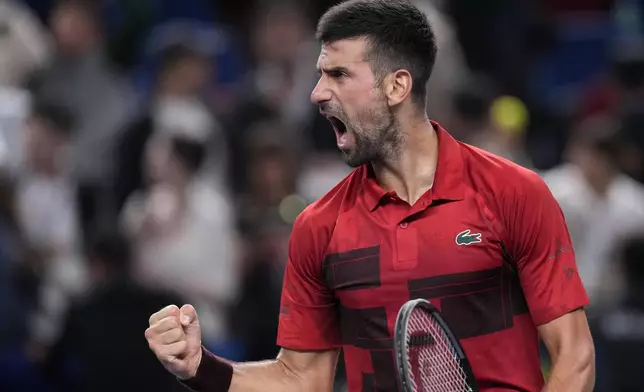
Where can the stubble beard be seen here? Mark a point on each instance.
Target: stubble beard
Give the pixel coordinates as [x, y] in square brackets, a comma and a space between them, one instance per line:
[377, 139]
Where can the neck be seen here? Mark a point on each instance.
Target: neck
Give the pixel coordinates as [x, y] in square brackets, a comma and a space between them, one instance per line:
[411, 173]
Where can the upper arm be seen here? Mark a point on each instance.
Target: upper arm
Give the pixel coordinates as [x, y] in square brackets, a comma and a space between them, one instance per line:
[540, 245]
[567, 334]
[315, 369]
[308, 313]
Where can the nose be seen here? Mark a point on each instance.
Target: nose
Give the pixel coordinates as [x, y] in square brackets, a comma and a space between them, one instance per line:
[320, 93]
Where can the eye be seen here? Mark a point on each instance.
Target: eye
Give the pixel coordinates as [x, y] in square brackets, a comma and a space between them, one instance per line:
[337, 74]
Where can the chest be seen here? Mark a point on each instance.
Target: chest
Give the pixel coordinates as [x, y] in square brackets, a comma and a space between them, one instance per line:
[372, 259]
[452, 255]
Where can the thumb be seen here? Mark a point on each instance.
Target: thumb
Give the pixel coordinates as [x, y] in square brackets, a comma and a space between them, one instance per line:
[188, 316]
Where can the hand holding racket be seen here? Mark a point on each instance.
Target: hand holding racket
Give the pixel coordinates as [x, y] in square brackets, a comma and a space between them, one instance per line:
[429, 358]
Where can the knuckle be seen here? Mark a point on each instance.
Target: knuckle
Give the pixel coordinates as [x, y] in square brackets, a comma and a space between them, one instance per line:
[167, 311]
[172, 310]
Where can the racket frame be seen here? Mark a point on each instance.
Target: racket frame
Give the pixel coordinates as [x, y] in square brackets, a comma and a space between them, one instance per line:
[400, 332]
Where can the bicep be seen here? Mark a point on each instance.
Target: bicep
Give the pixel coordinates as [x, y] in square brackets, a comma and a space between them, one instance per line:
[568, 333]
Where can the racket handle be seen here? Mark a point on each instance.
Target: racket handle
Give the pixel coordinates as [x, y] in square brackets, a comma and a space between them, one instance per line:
[213, 375]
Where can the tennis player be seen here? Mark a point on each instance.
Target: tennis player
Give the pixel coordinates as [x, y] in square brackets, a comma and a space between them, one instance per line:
[421, 216]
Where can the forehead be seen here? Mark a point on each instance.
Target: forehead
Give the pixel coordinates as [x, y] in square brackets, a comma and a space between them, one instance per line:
[344, 52]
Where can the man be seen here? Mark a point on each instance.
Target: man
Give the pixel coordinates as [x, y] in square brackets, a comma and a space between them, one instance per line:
[46, 212]
[602, 205]
[81, 77]
[421, 216]
[172, 223]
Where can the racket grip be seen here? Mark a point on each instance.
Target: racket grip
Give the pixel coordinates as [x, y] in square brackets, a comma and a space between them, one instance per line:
[213, 375]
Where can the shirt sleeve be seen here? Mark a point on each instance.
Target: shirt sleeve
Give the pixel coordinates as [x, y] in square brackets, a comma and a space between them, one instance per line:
[308, 317]
[542, 249]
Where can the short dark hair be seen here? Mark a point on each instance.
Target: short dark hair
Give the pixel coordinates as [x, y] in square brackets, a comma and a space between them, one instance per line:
[599, 134]
[190, 152]
[399, 36]
[473, 99]
[59, 118]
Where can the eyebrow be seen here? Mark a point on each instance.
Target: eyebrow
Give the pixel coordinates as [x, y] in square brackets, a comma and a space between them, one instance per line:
[332, 69]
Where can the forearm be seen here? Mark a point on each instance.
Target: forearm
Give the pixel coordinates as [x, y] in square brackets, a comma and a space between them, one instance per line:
[572, 373]
[268, 376]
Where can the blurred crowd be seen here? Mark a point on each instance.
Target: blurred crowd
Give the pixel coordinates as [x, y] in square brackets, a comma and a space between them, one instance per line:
[158, 151]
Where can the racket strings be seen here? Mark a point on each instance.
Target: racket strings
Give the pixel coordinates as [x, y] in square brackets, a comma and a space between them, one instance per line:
[434, 362]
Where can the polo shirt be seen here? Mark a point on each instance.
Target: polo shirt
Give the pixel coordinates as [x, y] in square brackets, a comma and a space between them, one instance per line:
[487, 245]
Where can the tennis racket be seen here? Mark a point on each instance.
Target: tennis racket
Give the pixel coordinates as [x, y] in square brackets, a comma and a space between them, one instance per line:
[429, 358]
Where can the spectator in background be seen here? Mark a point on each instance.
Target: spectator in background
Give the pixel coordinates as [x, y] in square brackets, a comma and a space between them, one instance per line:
[284, 55]
[266, 212]
[82, 78]
[101, 348]
[601, 205]
[272, 178]
[46, 212]
[182, 79]
[620, 92]
[24, 48]
[184, 231]
[619, 331]
[24, 43]
[450, 68]
[45, 196]
[475, 119]
[278, 85]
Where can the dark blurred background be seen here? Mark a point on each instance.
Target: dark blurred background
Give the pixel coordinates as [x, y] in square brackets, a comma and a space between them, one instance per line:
[158, 151]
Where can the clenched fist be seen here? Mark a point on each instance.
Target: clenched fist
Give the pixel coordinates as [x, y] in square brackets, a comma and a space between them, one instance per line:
[175, 337]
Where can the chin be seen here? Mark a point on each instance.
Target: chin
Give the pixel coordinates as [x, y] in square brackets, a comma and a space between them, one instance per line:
[351, 159]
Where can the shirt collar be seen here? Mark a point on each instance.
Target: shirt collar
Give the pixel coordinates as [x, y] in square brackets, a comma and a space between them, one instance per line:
[448, 180]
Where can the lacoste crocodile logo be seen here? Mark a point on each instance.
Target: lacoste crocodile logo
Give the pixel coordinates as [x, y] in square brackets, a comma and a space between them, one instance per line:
[466, 238]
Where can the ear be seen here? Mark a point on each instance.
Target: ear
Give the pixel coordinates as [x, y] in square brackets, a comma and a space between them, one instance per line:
[397, 86]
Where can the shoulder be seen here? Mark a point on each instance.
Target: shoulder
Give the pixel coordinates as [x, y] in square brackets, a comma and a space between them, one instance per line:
[517, 198]
[499, 180]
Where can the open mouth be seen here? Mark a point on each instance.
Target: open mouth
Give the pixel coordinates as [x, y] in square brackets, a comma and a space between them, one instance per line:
[338, 125]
